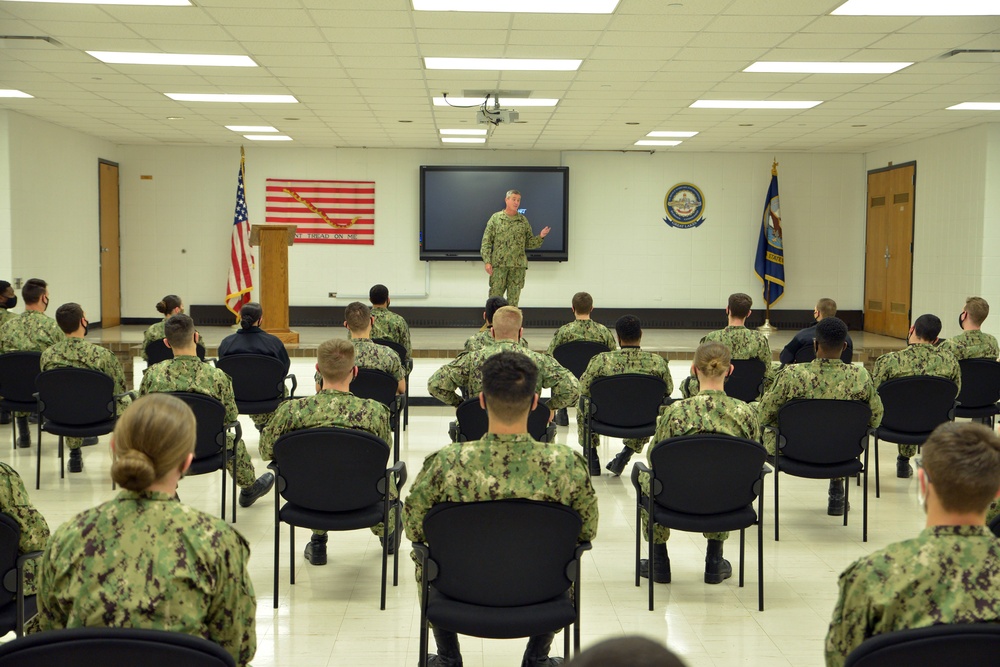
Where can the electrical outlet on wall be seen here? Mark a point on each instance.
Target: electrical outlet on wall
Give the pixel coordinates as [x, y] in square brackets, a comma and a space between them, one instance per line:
[333, 295]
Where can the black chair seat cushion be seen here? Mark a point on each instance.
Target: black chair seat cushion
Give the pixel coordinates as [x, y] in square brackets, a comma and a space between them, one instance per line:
[644, 431]
[8, 612]
[901, 437]
[100, 428]
[257, 407]
[819, 471]
[205, 464]
[973, 412]
[353, 520]
[18, 406]
[499, 622]
[713, 523]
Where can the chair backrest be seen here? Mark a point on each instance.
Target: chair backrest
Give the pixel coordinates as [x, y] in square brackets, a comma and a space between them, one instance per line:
[687, 476]
[980, 383]
[971, 644]
[995, 525]
[917, 404]
[807, 353]
[823, 431]
[745, 380]
[18, 371]
[375, 384]
[157, 351]
[83, 647]
[473, 422]
[256, 377]
[396, 347]
[210, 415]
[576, 354]
[628, 400]
[331, 469]
[10, 538]
[75, 396]
[487, 553]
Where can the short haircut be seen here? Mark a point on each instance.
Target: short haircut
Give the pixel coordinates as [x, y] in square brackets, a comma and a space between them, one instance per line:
[739, 305]
[827, 307]
[927, 327]
[250, 314]
[507, 322]
[358, 316]
[4, 286]
[583, 303]
[378, 295]
[831, 333]
[493, 304]
[626, 652]
[629, 329]
[962, 461]
[151, 438]
[33, 290]
[69, 316]
[168, 303]
[179, 330]
[976, 306]
[712, 359]
[512, 192]
[335, 359]
[509, 380]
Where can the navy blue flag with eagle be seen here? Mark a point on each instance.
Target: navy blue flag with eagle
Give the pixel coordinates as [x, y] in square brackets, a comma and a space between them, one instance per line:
[769, 264]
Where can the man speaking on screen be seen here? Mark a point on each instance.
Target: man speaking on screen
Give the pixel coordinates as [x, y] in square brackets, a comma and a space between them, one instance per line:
[508, 234]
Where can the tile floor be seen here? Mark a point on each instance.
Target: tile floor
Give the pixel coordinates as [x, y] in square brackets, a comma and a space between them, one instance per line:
[331, 615]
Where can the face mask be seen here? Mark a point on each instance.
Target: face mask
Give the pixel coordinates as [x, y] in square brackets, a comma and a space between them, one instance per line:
[961, 320]
[86, 327]
[11, 302]
[45, 301]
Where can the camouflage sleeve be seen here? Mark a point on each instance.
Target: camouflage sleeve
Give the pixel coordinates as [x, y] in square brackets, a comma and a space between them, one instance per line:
[113, 369]
[144, 385]
[486, 248]
[565, 388]
[53, 334]
[380, 423]
[421, 498]
[592, 373]
[849, 623]
[406, 340]
[445, 380]
[874, 401]
[609, 340]
[395, 366]
[555, 342]
[15, 503]
[231, 617]
[530, 240]
[880, 371]
[227, 397]
[585, 499]
[52, 611]
[773, 399]
[955, 371]
[281, 422]
[666, 377]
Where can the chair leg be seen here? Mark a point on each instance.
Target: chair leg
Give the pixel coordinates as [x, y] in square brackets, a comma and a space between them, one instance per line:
[847, 499]
[277, 549]
[62, 460]
[877, 489]
[649, 541]
[864, 504]
[566, 642]
[760, 552]
[225, 462]
[742, 540]
[291, 553]
[776, 474]
[638, 542]
[398, 539]
[38, 463]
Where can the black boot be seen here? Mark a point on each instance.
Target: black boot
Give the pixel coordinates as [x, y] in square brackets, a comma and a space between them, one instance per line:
[23, 436]
[394, 538]
[448, 653]
[617, 464]
[661, 565]
[903, 469]
[75, 460]
[562, 417]
[249, 495]
[90, 441]
[835, 506]
[316, 550]
[595, 463]
[4, 417]
[717, 568]
[537, 652]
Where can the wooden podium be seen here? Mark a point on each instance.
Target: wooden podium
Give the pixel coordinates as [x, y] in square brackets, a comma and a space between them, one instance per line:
[273, 241]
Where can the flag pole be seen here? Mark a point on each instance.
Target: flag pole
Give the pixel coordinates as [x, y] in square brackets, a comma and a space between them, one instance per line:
[767, 327]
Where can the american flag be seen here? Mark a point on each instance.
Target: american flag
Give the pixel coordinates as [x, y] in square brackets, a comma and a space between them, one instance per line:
[240, 281]
[324, 211]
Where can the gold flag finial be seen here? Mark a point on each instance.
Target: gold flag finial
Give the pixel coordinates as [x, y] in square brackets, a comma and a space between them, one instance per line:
[774, 167]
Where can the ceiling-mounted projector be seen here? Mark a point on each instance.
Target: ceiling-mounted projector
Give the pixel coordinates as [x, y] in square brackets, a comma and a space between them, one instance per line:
[496, 116]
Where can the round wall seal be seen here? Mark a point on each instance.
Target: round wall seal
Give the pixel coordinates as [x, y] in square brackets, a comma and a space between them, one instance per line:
[685, 206]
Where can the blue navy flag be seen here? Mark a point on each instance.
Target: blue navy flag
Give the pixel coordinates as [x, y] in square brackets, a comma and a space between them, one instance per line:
[769, 264]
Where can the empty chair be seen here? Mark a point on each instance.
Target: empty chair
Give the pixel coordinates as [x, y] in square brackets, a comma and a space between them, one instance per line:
[472, 424]
[380, 386]
[18, 371]
[969, 644]
[16, 608]
[980, 392]
[746, 379]
[210, 450]
[622, 406]
[258, 382]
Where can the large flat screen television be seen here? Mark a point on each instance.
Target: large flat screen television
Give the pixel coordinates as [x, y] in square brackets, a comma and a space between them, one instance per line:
[456, 202]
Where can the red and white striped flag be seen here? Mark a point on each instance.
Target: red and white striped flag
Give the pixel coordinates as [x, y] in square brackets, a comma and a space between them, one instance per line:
[324, 211]
[240, 281]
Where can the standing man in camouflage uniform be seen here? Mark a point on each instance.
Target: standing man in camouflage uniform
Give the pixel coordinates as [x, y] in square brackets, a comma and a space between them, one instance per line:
[74, 352]
[950, 573]
[827, 377]
[710, 411]
[333, 405]
[506, 463]
[804, 339]
[921, 357]
[367, 353]
[7, 301]
[31, 331]
[387, 324]
[629, 359]
[743, 343]
[14, 502]
[186, 372]
[973, 342]
[508, 234]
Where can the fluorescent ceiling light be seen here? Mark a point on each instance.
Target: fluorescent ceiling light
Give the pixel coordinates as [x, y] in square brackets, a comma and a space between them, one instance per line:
[267, 137]
[190, 59]
[826, 67]
[251, 128]
[754, 104]
[464, 140]
[172, 3]
[918, 8]
[683, 135]
[222, 97]
[504, 101]
[976, 106]
[654, 142]
[10, 92]
[463, 132]
[510, 64]
[518, 6]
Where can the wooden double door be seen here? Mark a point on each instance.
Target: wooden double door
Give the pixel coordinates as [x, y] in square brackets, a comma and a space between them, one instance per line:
[889, 250]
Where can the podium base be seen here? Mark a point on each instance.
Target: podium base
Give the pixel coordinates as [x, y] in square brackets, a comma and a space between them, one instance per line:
[285, 335]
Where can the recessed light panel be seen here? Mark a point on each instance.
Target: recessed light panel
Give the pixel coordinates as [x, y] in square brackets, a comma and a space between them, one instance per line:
[665, 133]
[267, 137]
[501, 64]
[826, 67]
[223, 97]
[656, 142]
[461, 131]
[519, 6]
[464, 140]
[182, 59]
[504, 101]
[976, 106]
[251, 128]
[918, 8]
[755, 104]
[160, 3]
[10, 92]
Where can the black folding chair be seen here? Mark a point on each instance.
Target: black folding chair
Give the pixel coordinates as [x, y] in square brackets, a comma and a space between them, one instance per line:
[85, 647]
[914, 407]
[575, 355]
[258, 382]
[157, 351]
[380, 386]
[746, 379]
[622, 406]
[485, 576]
[335, 479]
[407, 367]
[472, 422]
[971, 644]
[210, 450]
[703, 483]
[980, 394]
[823, 439]
[16, 608]
[18, 371]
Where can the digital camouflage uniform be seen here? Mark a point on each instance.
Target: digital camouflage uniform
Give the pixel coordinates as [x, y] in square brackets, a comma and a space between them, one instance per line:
[588, 330]
[330, 407]
[392, 327]
[484, 338]
[711, 411]
[14, 502]
[946, 575]
[369, 354]
[629, 359]
[504, 242]
[189, 373]
[993, 511]
[145, 560]
[78, 353]
[817, 379]
[743, 343]
[466, 372]
[6, 316]
[156, 332]
[31, 331]
[918, 359]
[972, 344]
